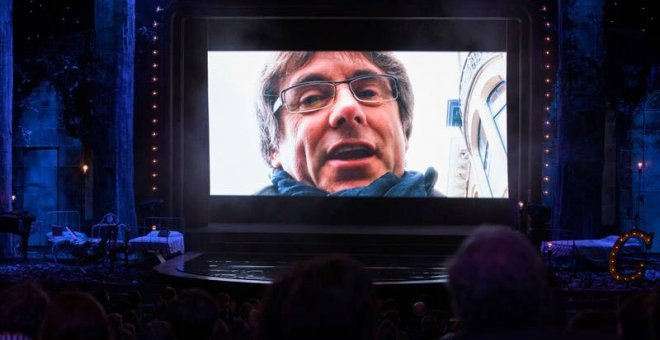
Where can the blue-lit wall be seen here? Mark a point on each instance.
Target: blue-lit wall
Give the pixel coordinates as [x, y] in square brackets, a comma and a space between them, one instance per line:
[645, 160]
[47, 175]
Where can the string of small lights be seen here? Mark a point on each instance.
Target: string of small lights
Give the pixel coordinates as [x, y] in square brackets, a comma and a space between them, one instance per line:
[618, 245]
[548, 46]
[155, 76]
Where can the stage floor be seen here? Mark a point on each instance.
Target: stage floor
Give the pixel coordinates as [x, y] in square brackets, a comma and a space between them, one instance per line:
[264, 268]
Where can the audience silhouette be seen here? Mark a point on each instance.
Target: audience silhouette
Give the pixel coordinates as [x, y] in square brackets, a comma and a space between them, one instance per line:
[75, 316]
[193, 314]
[499, 285]
[638, 317]
[22, 308]
[324, 298]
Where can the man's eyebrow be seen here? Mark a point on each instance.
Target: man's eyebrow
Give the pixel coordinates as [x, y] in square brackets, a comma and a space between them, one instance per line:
[310, 77]
[320, 77]
[364, 72]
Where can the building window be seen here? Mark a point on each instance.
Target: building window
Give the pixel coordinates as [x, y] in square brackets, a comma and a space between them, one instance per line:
[497, 106]
[454, 113]
[483, 147]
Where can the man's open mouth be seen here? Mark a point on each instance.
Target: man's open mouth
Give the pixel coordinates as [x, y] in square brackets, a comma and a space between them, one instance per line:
[351, 152]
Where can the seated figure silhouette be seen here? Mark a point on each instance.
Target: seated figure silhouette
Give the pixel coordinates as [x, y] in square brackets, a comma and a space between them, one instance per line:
[324, 298]
[499, 285]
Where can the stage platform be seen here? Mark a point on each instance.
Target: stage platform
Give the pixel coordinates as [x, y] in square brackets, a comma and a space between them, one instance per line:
[355, 240]
[263, 268]
[256, 253]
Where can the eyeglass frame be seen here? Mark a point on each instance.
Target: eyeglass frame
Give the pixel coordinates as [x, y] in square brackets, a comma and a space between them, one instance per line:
[279, 103]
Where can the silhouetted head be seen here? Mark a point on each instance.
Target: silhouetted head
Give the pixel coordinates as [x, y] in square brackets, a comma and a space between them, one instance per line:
[325, 298]
[193, 314]
[75, 316]
[419, 308]
[497, 281]
[22, 307]
[636, 317]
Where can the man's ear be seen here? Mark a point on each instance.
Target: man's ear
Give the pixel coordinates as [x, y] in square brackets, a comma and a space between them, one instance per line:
[275, 159]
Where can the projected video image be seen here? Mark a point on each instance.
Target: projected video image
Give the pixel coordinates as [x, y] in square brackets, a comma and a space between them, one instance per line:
[358, 124]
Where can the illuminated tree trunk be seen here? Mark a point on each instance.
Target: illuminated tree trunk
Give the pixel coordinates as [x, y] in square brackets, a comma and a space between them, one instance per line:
[6, 90]
[580, 119]
[112, 141]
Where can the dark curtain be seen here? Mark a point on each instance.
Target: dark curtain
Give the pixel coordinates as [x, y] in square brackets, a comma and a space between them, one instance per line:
[112, 140]
[6, 95]
[580, 118]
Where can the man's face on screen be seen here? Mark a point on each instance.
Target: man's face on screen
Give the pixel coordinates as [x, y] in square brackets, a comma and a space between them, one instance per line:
[347, 144]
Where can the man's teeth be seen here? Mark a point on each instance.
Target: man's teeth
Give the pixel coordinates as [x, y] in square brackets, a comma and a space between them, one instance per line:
[349, 148]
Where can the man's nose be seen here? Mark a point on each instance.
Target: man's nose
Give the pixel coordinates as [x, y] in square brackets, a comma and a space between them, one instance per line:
[346, 109]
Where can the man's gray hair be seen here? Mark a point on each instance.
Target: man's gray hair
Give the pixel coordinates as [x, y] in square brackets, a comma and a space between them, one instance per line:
[286, 63]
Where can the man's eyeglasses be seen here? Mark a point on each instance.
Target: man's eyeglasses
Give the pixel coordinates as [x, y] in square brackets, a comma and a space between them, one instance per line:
[315, 95]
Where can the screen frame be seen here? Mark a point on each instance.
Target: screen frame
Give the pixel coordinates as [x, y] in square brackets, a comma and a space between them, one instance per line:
[188, 124]
[437, 79]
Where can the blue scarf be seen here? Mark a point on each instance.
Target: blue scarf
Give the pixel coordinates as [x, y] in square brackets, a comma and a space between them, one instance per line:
[411, 184]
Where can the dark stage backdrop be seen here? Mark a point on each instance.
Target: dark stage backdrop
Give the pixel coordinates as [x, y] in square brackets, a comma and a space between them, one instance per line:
[6, 98]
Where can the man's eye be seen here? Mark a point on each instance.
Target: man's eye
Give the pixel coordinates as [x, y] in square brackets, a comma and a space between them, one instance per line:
[368, 94]
[310, 100]
[313, 98]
